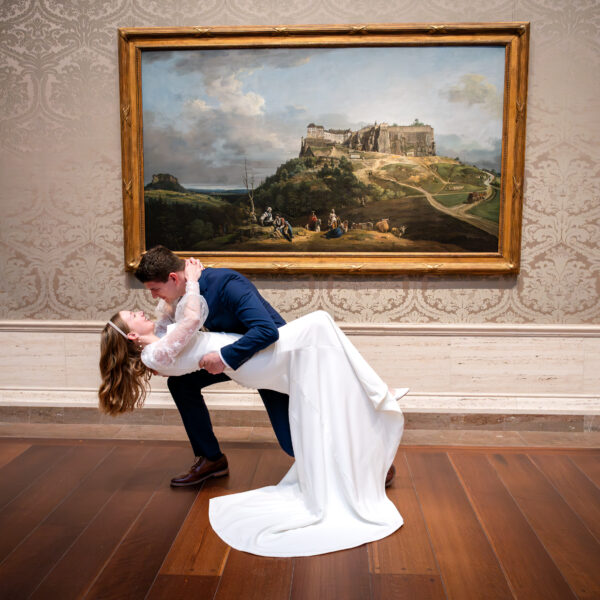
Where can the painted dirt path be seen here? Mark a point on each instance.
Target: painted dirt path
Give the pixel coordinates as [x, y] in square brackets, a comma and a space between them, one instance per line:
[459, 212]
[463, 208]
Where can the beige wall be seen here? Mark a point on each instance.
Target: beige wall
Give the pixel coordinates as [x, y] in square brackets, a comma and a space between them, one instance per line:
[60, 196]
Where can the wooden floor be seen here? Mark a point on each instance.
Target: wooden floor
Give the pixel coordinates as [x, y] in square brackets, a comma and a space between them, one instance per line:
[97, 519]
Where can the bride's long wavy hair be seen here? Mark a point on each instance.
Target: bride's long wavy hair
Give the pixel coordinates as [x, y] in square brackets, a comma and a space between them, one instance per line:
[125, 378]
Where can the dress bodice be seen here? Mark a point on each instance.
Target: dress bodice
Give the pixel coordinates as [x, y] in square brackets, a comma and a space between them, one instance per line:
[201, 343]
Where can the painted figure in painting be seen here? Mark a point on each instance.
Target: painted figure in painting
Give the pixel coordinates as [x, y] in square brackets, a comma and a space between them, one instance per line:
[332, 220]
[312, 221]
[337, 231]
[267, 217]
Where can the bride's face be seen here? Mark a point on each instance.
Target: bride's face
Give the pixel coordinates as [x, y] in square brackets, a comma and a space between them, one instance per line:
[137, 322]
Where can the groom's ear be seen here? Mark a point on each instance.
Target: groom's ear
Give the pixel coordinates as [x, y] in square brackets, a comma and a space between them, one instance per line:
[178, 278]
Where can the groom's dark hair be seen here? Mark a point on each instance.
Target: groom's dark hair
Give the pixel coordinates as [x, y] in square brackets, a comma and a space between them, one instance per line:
[157, 263]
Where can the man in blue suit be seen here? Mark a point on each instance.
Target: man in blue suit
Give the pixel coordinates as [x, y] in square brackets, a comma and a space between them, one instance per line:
[235, 306]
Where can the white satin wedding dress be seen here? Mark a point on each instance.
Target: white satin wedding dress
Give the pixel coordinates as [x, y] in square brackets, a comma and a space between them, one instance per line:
[346, 427]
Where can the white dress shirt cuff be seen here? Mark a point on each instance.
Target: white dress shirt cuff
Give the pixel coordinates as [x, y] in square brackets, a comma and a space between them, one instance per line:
[224, 361]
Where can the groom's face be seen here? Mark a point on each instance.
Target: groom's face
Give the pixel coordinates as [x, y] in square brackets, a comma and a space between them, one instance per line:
[168, 290]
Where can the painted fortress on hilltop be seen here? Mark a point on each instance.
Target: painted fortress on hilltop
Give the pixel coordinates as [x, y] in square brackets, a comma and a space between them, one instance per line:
[405, 140]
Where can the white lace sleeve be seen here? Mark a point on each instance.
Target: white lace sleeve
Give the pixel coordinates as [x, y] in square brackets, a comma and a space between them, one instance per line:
[165, 316]
[194, 312]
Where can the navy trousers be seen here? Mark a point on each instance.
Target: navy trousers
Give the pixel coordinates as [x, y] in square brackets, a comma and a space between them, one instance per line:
[187, 394]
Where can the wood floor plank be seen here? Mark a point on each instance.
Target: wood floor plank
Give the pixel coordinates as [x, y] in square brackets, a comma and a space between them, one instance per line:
[407, 551]
[133, 567]
[588, 464]
[467, 563]
[22, 472]
[255, 577]
[93, 527]
[271, 468]
[52, 538]
[529, 569]
[26, 511]
[573, 548]
[344, 574]
[197, 549]
[575, 487]
[415, 587]
[9, 451]
[183, 587]
[77, 569]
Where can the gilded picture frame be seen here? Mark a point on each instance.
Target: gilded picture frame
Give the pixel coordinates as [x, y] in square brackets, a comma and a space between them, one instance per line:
[400, 171]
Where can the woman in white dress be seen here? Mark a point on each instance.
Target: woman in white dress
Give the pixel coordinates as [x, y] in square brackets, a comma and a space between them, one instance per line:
[345, 423]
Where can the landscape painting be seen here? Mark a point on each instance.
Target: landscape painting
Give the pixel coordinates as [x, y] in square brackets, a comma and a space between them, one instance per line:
[324, 149]
[318, 151]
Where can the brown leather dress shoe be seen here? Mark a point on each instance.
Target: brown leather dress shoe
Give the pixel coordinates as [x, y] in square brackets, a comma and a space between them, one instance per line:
[389, 478]
[201, 470]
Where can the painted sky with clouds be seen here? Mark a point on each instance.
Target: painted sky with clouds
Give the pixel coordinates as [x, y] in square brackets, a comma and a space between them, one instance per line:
[206, 111]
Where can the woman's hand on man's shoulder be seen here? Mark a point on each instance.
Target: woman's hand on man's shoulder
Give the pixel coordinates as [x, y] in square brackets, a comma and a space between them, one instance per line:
[193, 269]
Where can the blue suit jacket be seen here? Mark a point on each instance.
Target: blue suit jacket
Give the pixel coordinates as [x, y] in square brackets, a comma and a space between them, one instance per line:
[236, 306]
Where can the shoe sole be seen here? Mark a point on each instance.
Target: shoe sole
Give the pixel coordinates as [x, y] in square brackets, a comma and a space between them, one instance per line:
[185, 484]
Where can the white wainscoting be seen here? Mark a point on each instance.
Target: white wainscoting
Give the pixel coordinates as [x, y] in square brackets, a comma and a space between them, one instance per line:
[489, 368]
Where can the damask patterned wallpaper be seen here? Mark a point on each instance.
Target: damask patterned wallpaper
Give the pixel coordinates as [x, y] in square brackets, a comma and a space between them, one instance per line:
[61, 218]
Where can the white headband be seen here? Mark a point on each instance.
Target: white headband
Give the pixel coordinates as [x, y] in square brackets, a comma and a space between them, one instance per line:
[118, 329]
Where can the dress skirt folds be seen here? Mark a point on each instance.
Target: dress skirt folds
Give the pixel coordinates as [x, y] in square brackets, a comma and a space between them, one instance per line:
[346, 427]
